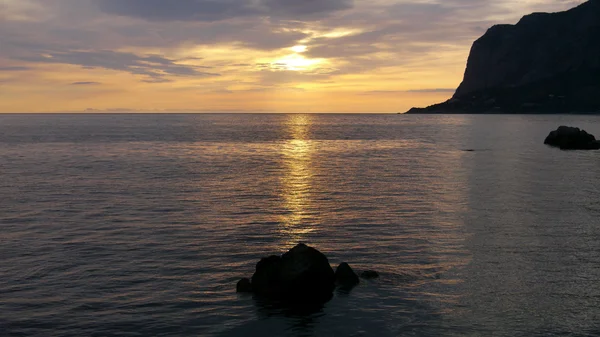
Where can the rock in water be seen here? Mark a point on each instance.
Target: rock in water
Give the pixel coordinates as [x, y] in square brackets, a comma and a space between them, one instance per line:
[345, 276]
[266, 279]
[569, 138]
[306, 272]
[303, 274]
[244, 286]
[369, 274]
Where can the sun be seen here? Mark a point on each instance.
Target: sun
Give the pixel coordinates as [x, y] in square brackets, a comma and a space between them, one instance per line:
[299, 49]
[297, 62]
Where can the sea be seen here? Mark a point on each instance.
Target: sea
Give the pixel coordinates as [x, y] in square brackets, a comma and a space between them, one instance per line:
[141, 224]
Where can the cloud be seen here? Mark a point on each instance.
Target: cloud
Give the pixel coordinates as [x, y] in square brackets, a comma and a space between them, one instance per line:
[86, 83]
[440, 90]
[14, 68]
[260, 90]
[269, 77]
[237, 46]
[409, 30]
[396, 92]
[305, 8]
[215, 10]
[155, 68]
[180, 10]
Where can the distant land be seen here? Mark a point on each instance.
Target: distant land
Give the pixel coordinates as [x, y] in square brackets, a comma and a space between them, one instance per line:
[546, 63]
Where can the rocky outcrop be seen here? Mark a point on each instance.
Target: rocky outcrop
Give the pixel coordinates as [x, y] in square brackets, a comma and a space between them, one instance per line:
[546, 63]
[345, 276]
[244, 286]
[303, 274]
[569, 138]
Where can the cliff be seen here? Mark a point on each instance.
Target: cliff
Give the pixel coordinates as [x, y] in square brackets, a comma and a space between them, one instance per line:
[546, 63]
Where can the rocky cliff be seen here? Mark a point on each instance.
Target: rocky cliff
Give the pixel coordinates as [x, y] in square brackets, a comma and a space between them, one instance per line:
[546, 63]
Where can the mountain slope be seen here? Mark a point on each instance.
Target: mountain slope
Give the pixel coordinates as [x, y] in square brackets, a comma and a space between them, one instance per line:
[546, 63]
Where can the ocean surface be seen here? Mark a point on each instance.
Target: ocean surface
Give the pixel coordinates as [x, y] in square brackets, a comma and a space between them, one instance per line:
[141, 225]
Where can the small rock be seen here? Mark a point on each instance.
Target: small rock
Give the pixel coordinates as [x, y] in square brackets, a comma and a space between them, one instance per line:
[369, 274]
[569, 138]
[244, 286]
[345, 276]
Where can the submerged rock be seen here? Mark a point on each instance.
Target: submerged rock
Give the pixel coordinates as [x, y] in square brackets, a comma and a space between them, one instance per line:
[369, 274]
[345, 276]
[303, 274]
[570, 138]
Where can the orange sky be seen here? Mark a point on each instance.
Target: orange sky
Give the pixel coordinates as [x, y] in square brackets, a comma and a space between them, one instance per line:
[241, 55]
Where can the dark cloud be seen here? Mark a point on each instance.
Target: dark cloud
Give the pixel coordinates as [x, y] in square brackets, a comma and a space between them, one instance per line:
[14, 68]
[305, 8]
[405, 34]
[407, 30]
[271, 41]
[86, 83]
[179, 10]
[118, 33]
[215, 10]
[155, 67]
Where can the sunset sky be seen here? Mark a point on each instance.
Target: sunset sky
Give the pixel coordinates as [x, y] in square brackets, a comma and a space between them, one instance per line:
[241, 55]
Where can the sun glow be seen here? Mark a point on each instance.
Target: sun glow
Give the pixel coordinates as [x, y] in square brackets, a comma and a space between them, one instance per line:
[299, 49]
[336, 33]
[297, 62]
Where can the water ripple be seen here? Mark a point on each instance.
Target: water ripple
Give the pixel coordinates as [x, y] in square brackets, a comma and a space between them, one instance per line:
[141, 224]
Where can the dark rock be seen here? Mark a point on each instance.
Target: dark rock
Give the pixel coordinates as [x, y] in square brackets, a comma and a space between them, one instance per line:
[303, 274]
[369, 274]
[244, 286]
[266, 278]
[345, 276]
[546, 63]
[569, 138]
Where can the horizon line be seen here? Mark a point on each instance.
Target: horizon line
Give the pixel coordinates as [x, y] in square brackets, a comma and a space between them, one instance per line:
[101, 112]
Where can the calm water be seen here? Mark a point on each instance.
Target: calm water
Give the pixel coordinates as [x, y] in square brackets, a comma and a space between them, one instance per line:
[140, 225]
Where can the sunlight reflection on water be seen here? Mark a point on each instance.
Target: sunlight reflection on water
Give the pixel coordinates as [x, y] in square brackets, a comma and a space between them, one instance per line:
[297, 180]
